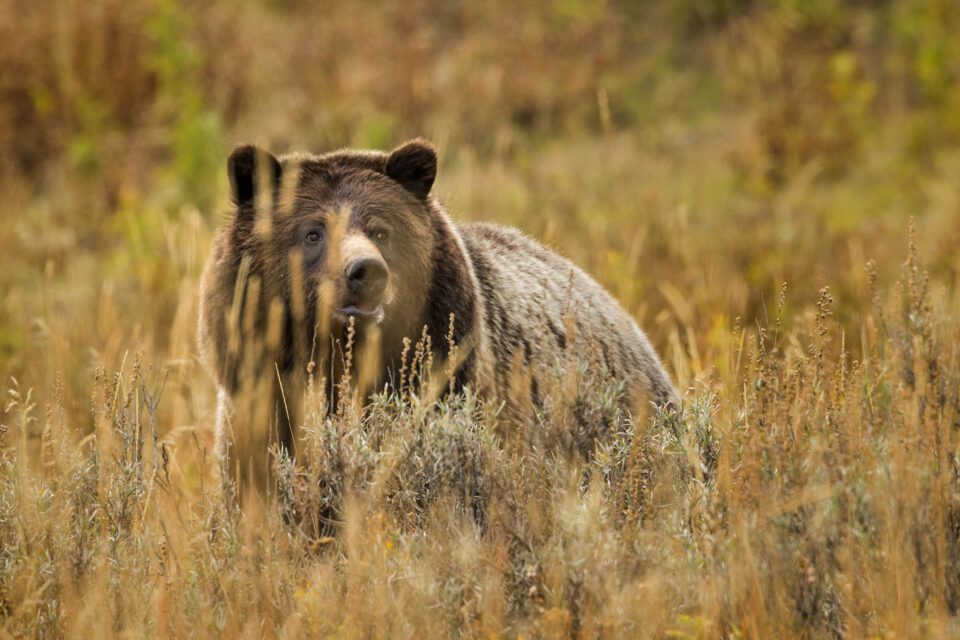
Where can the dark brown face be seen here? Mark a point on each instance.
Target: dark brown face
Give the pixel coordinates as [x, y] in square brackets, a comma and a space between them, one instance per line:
[364, 242]
[353, 235]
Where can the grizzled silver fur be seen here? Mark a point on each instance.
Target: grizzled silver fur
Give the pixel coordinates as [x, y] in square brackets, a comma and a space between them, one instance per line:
[530, 297]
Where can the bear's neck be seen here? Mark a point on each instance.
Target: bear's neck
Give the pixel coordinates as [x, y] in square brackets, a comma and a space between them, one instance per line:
[452, 289]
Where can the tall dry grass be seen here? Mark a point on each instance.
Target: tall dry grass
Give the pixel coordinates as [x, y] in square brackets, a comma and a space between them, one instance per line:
[801, 492]
[693, 156]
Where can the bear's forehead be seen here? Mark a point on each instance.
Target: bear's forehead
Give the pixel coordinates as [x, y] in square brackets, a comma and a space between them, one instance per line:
[334, 165]
[351, 180]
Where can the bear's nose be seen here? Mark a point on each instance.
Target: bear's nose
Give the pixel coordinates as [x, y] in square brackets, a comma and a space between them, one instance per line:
[366, 276]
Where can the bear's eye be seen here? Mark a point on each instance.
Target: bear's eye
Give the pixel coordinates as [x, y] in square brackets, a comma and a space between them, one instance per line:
[313, 237]
[380, 234]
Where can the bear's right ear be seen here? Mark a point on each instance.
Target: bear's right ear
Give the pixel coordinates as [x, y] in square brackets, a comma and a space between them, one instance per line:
[249, 169]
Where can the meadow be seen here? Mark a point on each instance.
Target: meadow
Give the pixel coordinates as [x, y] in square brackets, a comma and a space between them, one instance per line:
[770, 187]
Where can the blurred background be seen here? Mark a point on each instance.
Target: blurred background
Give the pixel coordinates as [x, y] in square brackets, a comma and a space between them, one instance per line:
[693, 155]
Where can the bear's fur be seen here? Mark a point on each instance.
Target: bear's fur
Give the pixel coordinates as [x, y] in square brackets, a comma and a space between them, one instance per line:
[279, 287]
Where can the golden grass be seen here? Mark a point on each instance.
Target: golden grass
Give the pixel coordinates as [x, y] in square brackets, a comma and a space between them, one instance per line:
[693, 159]
[801, 492]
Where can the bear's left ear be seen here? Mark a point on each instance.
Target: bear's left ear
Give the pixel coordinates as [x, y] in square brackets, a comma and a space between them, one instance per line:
[414, 165]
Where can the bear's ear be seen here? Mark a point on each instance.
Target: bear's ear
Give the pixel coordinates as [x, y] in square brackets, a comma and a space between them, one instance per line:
[414, 165]
[245, 167]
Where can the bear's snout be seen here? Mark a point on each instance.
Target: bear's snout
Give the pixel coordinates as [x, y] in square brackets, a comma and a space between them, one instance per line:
[366, 278]
[364, 289]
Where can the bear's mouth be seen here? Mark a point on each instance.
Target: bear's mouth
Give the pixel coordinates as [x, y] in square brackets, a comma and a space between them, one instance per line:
[361, 312]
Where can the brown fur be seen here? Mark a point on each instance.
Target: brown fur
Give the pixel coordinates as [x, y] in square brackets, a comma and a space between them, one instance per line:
[266, 312]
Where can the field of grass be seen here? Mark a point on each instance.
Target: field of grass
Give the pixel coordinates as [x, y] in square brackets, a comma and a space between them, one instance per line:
[771, 187]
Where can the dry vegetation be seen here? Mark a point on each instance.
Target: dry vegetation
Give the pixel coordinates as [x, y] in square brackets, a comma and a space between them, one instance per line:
[694, 156]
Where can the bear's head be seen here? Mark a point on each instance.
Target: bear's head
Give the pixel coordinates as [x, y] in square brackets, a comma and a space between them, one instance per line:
[345, 236]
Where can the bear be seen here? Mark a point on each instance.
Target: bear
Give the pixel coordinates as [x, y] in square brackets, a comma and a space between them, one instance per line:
[329, 255]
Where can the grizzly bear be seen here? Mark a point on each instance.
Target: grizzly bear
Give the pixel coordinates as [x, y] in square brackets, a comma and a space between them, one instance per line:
[328, 255]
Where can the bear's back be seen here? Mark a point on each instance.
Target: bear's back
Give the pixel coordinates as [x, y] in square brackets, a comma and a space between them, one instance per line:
[533, 297]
